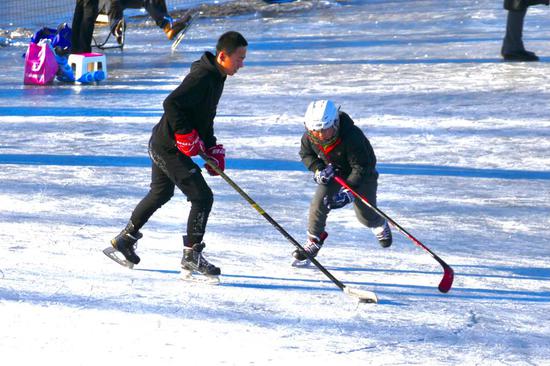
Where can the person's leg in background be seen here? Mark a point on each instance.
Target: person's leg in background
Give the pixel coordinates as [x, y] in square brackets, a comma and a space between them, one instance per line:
[512, 44]
[83, 24]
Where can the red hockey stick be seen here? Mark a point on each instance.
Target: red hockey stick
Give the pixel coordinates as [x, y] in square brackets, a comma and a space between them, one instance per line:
[448, 273]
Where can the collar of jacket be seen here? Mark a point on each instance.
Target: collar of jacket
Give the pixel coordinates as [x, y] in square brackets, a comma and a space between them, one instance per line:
[325, 148]
[209, 62]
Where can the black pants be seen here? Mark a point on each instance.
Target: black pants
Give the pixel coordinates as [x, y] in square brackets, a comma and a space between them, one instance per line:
[156, 9]
[513, 40]
[84, 17]
[318, 212]
[169, 170]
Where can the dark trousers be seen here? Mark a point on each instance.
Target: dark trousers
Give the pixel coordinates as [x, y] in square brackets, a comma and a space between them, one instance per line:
[318, 212]
[513, 40]
[168, 171]
[156, 9]
[84, 17]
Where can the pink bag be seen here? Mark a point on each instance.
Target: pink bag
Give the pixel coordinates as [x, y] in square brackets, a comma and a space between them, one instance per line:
[40, 64]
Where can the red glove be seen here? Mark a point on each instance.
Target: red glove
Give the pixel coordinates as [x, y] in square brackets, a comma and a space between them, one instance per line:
[216, 154]
[189, 144]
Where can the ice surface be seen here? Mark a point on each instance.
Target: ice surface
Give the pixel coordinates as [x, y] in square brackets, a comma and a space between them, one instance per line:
[423, 79]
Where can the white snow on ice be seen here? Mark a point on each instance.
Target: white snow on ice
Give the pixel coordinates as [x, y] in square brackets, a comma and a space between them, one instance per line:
[424, 81]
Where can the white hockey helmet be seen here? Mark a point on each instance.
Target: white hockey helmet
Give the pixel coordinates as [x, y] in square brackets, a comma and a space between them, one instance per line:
[321, 114]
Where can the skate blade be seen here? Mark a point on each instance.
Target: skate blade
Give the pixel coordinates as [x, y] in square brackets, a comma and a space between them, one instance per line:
[181, 34]
[195, 277]
[111, 253]
[179, 38]
[301, 264]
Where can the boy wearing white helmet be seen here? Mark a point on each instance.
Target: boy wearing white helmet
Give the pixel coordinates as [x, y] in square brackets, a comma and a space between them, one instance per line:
[332, 144]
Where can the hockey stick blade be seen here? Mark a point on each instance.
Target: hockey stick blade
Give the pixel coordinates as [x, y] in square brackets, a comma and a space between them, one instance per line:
[447, 280]
[363, 295]
[448, 273]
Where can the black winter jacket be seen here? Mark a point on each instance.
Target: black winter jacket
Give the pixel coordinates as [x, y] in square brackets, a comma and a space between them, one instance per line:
[192, 105]
[351, 154]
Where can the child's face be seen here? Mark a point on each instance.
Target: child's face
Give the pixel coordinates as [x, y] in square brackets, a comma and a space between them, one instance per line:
[324, 134]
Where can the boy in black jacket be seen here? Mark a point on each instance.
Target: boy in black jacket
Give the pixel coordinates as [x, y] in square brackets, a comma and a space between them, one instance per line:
[332, 144]
[185, 129]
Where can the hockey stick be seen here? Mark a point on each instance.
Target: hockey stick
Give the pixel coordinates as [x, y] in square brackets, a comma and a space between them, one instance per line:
[448, 273]
[362, 295]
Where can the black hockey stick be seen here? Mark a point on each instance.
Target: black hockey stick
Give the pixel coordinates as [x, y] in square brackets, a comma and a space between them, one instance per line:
[448, 273]
[362, 295]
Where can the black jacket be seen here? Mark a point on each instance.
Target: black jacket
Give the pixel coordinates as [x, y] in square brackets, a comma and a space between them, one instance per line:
[517, 5]
[192, 105]
[351, 154]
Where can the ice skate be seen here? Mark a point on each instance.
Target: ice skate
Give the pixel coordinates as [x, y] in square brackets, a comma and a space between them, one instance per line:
[119, 31]
[194, 264]
[125, 243]
[172, 29]
[312, 247]
[383, 234]
[180, 29]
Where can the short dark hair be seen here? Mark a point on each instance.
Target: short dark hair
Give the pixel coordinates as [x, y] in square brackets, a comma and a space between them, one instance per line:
[230, 41]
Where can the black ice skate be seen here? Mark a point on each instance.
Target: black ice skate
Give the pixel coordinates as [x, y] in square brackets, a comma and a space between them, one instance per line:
[312, 247]
[180, 28]
[119, 31]
[194, 262]
[125, 243]
[383, 234]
